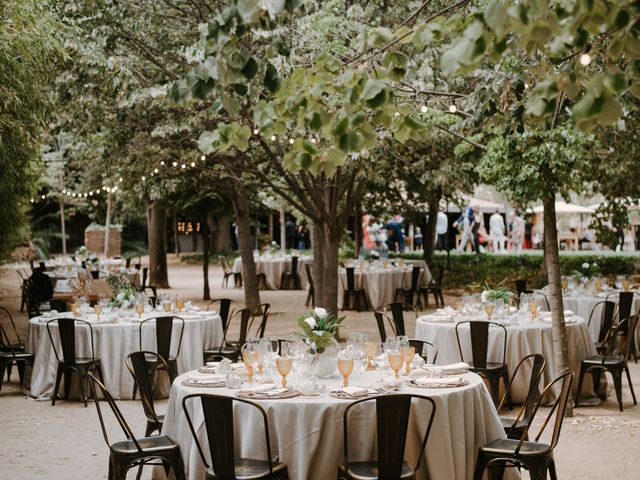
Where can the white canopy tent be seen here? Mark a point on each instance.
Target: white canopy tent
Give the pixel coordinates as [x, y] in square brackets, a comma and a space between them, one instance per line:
[486, 206]
[564, 207]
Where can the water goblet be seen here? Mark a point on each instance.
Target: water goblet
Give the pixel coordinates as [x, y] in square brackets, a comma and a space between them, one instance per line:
[409, 353]
[179, 301]
[345, 365]
[626, 284]
[249, 356]
[533, 309]
[372, 349]
[394, 357]
[489, 308]
[284, 365]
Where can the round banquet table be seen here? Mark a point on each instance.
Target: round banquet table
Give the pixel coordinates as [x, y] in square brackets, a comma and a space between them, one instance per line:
[307, 432]
[582, 303]
[523, 339]
[380, 283]
[273, 266]
[113, 342]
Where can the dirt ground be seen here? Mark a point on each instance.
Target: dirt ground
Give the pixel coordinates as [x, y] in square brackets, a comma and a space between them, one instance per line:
[65, 442]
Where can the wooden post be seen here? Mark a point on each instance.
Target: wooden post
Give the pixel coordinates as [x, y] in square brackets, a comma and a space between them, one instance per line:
[107, 225]
[62, 227]
[283, 233]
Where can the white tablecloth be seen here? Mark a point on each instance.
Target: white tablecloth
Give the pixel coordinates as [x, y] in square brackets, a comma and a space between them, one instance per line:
[522, 340]
[307, 432]
[113, 342]
[274, 267]
[381, 283]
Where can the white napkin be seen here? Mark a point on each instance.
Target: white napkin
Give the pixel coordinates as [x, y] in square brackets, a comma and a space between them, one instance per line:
[391, 382]
[264, 380]
[265, 387]
[455, 367]
[440, 381]
[205, 377]
[417, 373]
[355, 391]
[436, 318]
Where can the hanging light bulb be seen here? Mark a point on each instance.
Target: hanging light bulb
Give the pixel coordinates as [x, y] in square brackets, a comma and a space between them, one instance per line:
[273, 138]
[32, 200]
[162, 163]
[585, 59]
[183, 166]
[44, 196]
[86, 195]
[291, 141]
[143, 178]
[175, 164]
[203, 158]
[91, 193]
[120, 179]
[155, 170]
[193, 164]
[452, 109]
[423, 109]
[256, 131]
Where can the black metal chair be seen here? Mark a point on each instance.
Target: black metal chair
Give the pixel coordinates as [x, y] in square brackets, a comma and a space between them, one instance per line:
[392, 421]
[139, 368]
[69, 362]
[133, 451]
[397, 312]
[218, 415]
[606, 322]
[353, 294]
[614, 360]
[492, 371]
[311, 296]
[515, 427]
[228, 272]
[143, 285]
[262, 312]
[420, 345]
[164, 334]
[231, 350]
[10, 346]
[226, 307]
[534, 456]
[381, 317]
[625, 305]
[434, 287]
[10, 357]
[521, 286]
[287, 278]
[411, 293]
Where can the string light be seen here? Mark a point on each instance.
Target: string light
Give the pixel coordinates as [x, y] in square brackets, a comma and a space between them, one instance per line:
[256, 131]
[585, 59]
[44, 196]
[452, 109]
[291, 141]
[423, 109]
[32, 200]
[183, 166]
[120, 179]
[273, 138]
[193, 164]
[203, 158]
[175, 164]
[143, 178]
[155, 170]
[162, 163]
[397, 114]
[313, 140]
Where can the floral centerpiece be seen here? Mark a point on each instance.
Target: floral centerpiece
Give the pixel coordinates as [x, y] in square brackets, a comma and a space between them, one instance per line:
[123, 291]
[274, 248]
[587, 270]
[372, 255]
[496, 294]
[318, 333]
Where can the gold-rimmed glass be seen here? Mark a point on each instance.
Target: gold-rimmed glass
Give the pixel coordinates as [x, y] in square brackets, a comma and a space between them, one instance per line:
[371, 348]
[98, 309]
[408, 354]
[345, 366]
[179, 302]
[626, 284]
[489, 307]
[598, 285]
[284, 366]
[249, 357]
[74, 305]
[395, 360]
[533, 309]
[139, 309]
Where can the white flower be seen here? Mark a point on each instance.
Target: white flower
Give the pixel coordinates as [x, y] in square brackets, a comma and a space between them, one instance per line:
[319, 312]
[483, 296]
[311, 322]
[120, 296]
[585, 265]
[318, 332]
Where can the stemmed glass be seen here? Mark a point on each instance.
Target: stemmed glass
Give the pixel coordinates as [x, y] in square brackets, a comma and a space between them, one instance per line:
[284, 363]
[533, 309]
[626, 284]
[408, 353]
[372, 349]
[489, 307]
[179, 302]
[619, 282]
[165, 301]
[140, 303]
[74, 306]
[249, 356]
[394, 356]
[345, 365]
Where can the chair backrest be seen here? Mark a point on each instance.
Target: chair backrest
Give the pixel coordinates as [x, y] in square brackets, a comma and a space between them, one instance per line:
[558, 407]
[67, 332]
[138, 367]
[145, 274]
[397, 312]
[245, 316]
[261, 312]
[541, 294]
[5, 344]
[5, 313]
[625, 303]
[392, 420]
[606, 317]
[420, 350]
[626, 330]
[93, 383]
[415, 277]
[521, 286]
[218, 419]
[164, 331]
[307, 268]
[479, 334]
[537, 362]
[225, 309]
[380, 319]
[294, 265]
[351, 278]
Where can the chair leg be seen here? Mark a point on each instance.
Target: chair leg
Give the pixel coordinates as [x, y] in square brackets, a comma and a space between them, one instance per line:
[596, 374]
[481, 465]
[68, 375]
[21, 368]
[9, 368]
[56, 386]
[494, 386]
[583, 370]
[617, 383]
[552, 470]
[633, 394]
[3, 366]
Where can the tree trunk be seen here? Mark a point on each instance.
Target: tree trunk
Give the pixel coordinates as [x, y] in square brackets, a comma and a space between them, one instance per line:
[243, 219]
[206, 294]
[317, 244]
[552, 255]
[359, 234]
[220, 229]
[176, 243]
[429, 236]
[331, 247]
[157, 236]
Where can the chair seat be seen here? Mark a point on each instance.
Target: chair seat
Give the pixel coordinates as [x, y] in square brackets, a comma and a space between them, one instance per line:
[250, 469]
[16, 356]
[369, 470]
[357, 290]
[15, 347]
[148, 444]
[492, 367]
[606, 359]
[507, 446]
[81, 361]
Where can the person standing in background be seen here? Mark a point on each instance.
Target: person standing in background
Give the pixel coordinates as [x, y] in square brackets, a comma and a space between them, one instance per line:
[466, 219]
[290, 233]
[517, 233]
[477, 226]
[496, 232]
[417, 239]
[442, 229]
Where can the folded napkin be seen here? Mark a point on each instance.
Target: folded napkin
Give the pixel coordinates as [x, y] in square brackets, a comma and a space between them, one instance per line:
[391, 382]
[212, 364]
[265, 387]
[205, 377]
[417, 373]
[236, 366]
[355, 391]
[460, 367]
[264, 380]
[436, 318]
[567, 313]
[439, 382]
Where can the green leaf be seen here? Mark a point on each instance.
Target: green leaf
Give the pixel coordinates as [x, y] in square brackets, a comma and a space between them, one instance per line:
[341, 127]
[207, 141]
[250, 69]
[271, 79]
[249, 10]
[358, 119]
[372, 88]
[241, 89]
[241, 138]
[202, 90]
[348, 142]
[231, 105]
[379, 100]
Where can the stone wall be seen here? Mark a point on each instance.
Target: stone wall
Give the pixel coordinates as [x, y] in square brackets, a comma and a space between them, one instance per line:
[94, 240]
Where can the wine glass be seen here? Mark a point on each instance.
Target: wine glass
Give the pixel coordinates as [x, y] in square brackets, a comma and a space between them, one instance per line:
[489, 307]
[139, 306]
[98, 308]
[179, 302]
[250, 357]
[394, 357]
[372, 349]
[565, 283]
[284, 365]
[598, 285]
[74, 306]
[626, 284]
[345, 365]
[166, 303]
[619, 283]
[533, 309]
[409, 353]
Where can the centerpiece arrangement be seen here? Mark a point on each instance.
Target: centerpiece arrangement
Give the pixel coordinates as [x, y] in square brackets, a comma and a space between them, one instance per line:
[319, 328]
[496, 294]
[587, 270]
[123, 291]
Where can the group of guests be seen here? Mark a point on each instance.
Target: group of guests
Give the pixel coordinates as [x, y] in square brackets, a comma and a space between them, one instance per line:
[474, 232]
[296, 236]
